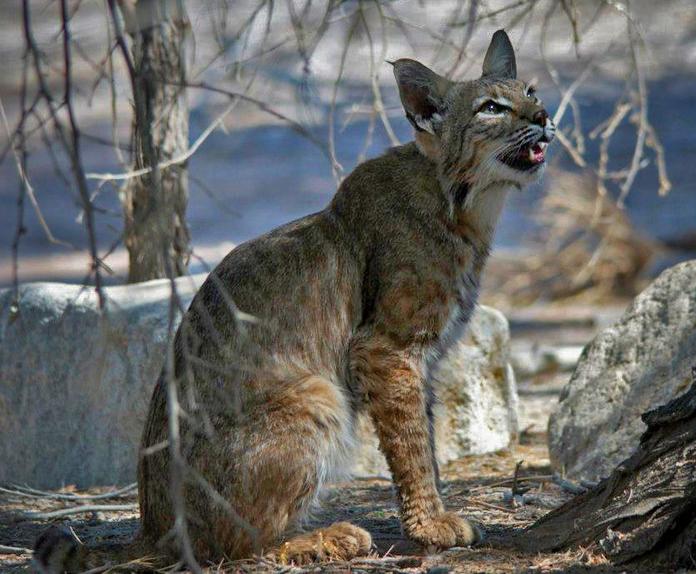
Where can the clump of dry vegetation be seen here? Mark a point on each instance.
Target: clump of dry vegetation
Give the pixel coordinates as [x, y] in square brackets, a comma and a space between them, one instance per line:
[588, 249]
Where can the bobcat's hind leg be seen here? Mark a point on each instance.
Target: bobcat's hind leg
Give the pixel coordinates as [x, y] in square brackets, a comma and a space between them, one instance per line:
[58, 550]
[270, 468]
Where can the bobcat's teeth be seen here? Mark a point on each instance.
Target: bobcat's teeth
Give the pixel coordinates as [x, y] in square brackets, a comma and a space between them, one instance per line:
[536, 153]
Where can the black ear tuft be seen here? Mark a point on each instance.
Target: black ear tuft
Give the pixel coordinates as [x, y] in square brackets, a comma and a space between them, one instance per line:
[422, 92]
[500, 58]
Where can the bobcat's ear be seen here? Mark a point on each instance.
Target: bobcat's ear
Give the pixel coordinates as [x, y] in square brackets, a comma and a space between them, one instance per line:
[500, 58]
[422, 93]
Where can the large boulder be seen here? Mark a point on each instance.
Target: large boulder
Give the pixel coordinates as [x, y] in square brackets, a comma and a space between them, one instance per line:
[75, 384]
[477, 407]
[640, 363]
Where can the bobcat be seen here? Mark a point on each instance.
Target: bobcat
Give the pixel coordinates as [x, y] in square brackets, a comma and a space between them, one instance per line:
[351, 308]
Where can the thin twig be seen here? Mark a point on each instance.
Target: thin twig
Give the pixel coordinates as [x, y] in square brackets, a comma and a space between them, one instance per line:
[170, 162]
[507, 481]
[336, 167]
[489, 505]
[14, 550]
[75, 157]
[642, 117]
[78, 510]
[174, 412]
[374, 73]
[33, 493]
[263, 106]
[28, 189]
[494, 13]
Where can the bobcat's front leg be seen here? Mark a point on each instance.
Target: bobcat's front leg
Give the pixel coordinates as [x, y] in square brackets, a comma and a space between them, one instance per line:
[394, 387]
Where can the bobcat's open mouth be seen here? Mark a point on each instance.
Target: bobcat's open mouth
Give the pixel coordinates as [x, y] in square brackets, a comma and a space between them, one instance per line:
[527, 158]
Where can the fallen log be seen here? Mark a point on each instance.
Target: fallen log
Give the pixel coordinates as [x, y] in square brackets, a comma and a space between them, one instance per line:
[644, 513]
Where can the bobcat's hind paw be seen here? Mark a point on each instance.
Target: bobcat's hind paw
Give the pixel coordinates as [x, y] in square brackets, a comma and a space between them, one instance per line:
[57, 550]
[340, 541]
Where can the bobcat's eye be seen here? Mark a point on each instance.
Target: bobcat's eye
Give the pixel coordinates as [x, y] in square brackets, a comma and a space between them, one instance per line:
[531, 92]
[491, 107]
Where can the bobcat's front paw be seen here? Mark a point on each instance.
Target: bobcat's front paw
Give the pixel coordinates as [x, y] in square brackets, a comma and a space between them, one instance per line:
[444, 531]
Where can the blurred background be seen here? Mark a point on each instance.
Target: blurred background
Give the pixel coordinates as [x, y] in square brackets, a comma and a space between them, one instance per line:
[271, 103]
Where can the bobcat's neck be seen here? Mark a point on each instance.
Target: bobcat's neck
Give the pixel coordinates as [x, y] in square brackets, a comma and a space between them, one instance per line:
[484, 204]
[477, 206]
[477, 195]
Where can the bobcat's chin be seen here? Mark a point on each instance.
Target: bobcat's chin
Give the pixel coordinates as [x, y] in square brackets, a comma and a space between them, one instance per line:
[520, 176]
[525, 164]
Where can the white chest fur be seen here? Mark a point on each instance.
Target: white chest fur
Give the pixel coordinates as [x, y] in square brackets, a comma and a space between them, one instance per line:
[484, 206]
[484, 203]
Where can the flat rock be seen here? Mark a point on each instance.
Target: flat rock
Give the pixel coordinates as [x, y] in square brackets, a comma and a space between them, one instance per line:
[75, 384]
[641, 362]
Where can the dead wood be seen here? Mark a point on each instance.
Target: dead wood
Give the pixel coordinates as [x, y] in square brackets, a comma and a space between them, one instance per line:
[645, 511]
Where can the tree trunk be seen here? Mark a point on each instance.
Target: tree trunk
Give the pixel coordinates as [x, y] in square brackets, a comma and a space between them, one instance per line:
[156, 234]
[645, 512]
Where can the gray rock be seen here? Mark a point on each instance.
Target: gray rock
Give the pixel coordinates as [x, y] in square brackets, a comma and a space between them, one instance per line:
[477, 394]
[75, 386]
[641, 362]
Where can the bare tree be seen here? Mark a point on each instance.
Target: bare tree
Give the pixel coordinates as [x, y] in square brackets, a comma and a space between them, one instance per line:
[154, 201]
[151, 36]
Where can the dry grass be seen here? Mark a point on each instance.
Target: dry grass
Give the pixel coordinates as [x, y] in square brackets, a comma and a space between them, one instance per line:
[589, 250]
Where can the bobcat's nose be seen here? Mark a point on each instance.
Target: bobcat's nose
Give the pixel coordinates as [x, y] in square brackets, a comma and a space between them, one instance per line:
[540, 118]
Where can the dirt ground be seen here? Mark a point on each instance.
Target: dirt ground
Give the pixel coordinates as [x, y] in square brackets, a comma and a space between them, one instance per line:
[480, 487]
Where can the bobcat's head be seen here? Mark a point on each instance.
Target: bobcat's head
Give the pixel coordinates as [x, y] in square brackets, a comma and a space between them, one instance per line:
[481, 132]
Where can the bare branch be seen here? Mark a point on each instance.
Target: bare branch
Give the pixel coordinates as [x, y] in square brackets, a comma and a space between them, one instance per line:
[642, 115]
[78, 510]
[27, 189]
[103, 177]
[17, 490]
[494, 13]
[76, 159]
